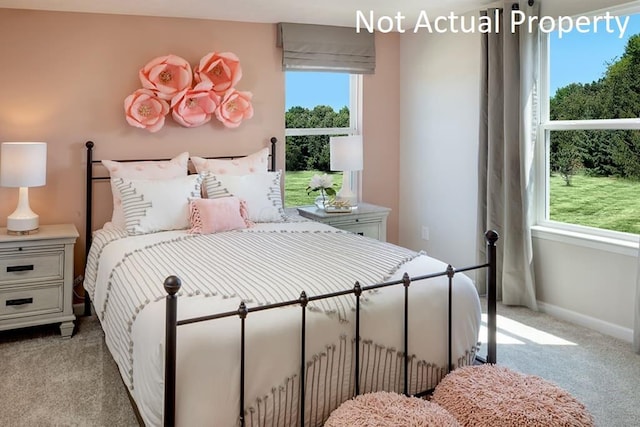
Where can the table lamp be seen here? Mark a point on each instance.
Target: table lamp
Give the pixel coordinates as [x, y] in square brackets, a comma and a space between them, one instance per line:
[23, 165]
[346, 156]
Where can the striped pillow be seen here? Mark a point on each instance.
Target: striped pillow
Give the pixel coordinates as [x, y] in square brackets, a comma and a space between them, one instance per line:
[261, 192]
[160, 169]
[150, 206]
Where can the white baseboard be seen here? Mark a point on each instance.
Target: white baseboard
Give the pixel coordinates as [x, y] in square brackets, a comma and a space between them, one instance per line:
[601, 326]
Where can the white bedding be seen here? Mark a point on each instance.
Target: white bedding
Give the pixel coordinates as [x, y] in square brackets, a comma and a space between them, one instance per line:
[208, 368]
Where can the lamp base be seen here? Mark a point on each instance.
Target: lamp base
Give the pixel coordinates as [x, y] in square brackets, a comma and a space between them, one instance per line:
[23, 220]
[22, 233]
[23, 225]
[345, 194]
[347, 197]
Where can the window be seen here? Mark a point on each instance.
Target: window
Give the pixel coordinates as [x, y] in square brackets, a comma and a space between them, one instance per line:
[318, 105]
[590, 132]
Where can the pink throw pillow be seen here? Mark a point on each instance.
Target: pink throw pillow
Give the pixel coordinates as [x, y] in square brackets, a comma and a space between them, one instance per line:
[214, 215]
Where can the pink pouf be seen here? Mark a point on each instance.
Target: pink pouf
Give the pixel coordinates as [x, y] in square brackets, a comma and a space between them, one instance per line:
[381, 409]
[489, 395]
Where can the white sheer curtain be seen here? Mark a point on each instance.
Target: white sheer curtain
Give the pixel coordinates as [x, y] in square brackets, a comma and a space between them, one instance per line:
[636, 317]
[509, 116]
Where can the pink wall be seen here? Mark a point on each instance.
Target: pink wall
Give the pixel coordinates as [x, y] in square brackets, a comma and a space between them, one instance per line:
[64, 77]
[381, 131]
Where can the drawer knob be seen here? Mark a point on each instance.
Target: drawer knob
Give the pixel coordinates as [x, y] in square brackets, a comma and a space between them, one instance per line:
[19, 301]
[17, 268]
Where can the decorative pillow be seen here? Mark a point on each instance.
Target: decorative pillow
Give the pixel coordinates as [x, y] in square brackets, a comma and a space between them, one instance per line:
[261, 191]
[253, 163]
[163, 169]
[214, 215]
[157, 205]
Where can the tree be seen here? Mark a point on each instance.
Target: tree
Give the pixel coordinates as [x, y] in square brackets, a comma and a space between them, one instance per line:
[614, 96]
[622, 89]
[567, 160]
[311, 152]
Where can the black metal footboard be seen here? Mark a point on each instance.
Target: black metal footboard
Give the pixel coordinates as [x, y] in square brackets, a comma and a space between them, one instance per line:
[172, 286]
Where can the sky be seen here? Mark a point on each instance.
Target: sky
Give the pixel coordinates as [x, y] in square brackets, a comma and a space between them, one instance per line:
[308, 89]
[583, 58]
[575, 58]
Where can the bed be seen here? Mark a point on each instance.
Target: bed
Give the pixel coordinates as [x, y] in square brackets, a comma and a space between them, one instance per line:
[231, 327]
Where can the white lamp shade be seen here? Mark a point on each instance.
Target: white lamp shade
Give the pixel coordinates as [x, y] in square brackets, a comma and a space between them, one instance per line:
[346, 153]
[23, 164]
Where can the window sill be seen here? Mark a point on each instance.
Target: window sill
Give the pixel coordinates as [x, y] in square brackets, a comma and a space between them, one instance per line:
[609, 244]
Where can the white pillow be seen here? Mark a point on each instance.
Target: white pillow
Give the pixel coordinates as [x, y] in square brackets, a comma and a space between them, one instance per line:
[157, 205]
[261, 192]
[161, 169]
[253, 163]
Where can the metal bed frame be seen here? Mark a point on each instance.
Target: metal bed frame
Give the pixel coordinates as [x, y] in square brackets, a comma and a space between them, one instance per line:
[91, 177]
[172, 285]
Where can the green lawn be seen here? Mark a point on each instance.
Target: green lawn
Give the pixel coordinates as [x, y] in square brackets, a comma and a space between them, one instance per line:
[295, 187]
[609, 203]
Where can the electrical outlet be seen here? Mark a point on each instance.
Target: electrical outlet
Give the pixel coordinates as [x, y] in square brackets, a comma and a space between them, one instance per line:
[425, 232]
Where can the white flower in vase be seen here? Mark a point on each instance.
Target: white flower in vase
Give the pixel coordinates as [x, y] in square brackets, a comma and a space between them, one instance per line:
[323, 184]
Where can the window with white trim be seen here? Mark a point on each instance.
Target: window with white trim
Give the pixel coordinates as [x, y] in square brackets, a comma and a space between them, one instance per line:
[308, 128]
[589, 147]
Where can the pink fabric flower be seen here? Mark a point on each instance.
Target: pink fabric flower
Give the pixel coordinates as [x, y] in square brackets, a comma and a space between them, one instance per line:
[194, 107]
[221, 69]
[234, 107]
[166, 76]
[143, 109]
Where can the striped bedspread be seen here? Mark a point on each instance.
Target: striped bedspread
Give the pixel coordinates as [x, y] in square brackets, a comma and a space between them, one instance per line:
[262, 265]
[258, 267]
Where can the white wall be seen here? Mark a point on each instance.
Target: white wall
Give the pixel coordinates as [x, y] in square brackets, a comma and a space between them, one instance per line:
[439, 92]
[438, 178]
[590, 286]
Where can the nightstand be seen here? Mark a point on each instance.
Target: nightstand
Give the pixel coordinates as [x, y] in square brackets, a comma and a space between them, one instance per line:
[36, 278]
[367, 220]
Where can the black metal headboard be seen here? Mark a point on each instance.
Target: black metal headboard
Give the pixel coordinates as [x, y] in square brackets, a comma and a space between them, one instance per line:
[91, 178]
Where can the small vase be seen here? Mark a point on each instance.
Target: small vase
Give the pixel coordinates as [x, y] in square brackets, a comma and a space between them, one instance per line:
[320, 201]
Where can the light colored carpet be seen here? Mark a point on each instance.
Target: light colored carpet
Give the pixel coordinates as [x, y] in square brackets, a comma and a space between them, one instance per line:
[48, 381]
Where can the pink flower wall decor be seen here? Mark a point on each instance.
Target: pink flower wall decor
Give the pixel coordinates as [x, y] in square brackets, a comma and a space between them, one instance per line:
[194, 107]
[143, 109]
[167, 85]
[166, 75]
[234, 107]
[222, 69]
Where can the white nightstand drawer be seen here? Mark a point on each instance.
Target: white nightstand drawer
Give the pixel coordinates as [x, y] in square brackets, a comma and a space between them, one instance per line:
[32, 266]
[368, 220]
[36, 278]
[32, 300]
[366, 229]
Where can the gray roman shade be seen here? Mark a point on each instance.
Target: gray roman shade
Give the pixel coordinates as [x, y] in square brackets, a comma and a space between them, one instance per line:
[326, 48]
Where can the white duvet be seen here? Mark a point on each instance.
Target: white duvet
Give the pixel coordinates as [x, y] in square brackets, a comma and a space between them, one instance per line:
[208, 368]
